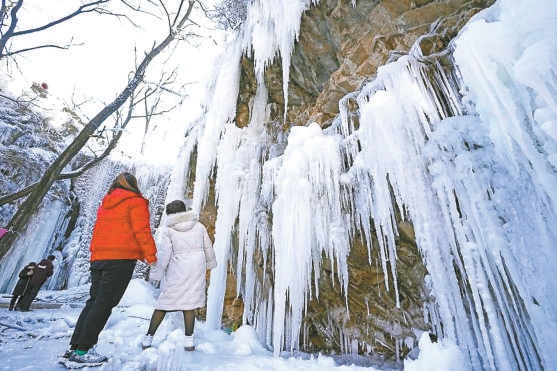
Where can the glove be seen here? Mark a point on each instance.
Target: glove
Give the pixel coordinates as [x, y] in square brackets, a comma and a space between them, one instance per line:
[156, 283]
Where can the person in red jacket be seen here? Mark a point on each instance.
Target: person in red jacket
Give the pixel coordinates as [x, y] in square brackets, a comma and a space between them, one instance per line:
[121, 236]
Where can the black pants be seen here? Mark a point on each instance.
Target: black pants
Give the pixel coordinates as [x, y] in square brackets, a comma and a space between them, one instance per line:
[16, 301]
[109, 280]
[29, 296]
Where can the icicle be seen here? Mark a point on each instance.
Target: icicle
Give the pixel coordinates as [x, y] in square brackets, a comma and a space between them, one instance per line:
[223, 92]
[306, 221]
[272, 27]
[228, 201]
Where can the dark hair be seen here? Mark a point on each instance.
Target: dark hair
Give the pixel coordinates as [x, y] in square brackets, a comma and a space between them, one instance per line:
[176, 206]
[51, 257]
[33, 264]
[125, 181]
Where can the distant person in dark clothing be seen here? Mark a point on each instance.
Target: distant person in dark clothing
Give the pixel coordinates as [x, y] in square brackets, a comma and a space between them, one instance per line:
[22, 285]
[43, 270]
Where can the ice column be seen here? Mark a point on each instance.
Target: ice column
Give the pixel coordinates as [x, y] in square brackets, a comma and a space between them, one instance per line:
[307, 222]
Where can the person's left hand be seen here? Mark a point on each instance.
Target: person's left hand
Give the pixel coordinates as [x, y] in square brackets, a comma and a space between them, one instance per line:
[155, 283]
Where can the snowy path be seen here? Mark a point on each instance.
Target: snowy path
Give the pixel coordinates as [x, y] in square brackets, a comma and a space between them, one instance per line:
[35, 339]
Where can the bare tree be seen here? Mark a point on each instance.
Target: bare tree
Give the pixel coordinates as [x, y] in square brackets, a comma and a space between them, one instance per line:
[9, 29]
[176, 24]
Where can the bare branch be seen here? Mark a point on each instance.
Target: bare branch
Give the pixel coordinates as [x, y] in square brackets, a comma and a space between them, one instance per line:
[178, 13]
[186, 16]
[13, 16]
[157, 113]
[84, 8]
[8, 34]
[76, 107]
[25, 103]
[139, 9]
[3, 12]
[65, 47]
[6, 97]
[167, 14]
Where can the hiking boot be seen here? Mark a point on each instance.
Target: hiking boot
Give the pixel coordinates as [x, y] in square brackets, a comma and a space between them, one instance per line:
[91, 357]
[93, 352]
[147, 341]
[189, 344]
[67, 353]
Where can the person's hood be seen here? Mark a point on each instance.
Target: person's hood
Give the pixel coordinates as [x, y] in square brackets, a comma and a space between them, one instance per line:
[116, 196]
[182, 222]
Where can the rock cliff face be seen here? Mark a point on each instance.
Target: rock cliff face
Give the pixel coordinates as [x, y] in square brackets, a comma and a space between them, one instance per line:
[341, 46]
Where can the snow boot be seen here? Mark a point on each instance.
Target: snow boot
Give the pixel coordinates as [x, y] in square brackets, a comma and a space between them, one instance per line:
[147, 341]
[91, 357]
[189, 343]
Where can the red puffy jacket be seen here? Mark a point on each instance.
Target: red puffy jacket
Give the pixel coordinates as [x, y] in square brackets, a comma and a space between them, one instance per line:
[122, 229]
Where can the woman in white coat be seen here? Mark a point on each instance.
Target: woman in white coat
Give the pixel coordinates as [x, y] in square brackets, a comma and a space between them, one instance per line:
[184, 255]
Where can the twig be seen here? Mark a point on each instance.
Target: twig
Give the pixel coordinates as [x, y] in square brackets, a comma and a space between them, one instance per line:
[146, 319]
[14, 327]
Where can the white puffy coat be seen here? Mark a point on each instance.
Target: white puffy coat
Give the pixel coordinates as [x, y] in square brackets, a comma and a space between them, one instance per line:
[184, 254]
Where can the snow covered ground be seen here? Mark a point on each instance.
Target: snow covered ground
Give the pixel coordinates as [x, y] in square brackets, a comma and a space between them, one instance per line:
[34, 340]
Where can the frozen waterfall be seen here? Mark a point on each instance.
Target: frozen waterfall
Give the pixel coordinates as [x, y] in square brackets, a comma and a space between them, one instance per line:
[468, 156]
